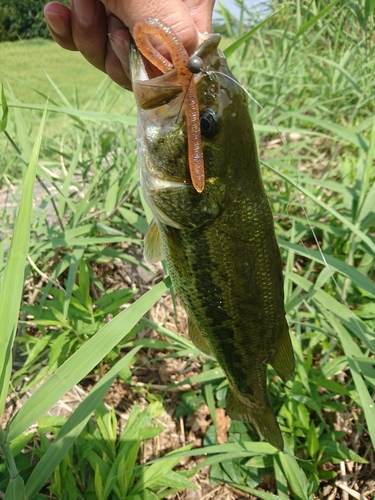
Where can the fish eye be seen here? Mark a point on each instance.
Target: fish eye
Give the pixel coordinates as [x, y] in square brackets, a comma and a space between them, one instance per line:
[209, 123]
[195, 64]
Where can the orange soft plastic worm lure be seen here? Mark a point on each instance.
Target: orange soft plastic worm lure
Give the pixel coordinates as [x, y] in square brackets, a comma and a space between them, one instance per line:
[180, 61]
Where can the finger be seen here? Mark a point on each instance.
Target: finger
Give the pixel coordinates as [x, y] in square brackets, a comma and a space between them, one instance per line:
[117, 57]
[115, 70]
[59, 22]
[174, 13]
[58, 19]
[89, 30]
[201, 12]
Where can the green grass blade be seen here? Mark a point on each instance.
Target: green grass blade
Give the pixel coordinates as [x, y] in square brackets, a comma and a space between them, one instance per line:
[5, 110]
[355, 229]
[245, 448]
[342, 267]
[64, 199]
[369, 7]
[202, 378]
[341, 69]
[235, 46]
[367, 177]
[75, 259]
[341, 132]
[15, 489]
[207, 389]
[227, 16]
[175, 337]
[73, 427]
[84, 114]
[295, 476]
[13, 280]
[316, 18]
[342, 311]
[82, 361]
[23, 132]
[352, 350]
[156, 471]
[259, 494]
[219, 453]
[57, 89]
[281, 481]
[112, 194]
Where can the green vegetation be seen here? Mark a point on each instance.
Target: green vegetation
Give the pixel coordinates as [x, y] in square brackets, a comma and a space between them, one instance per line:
[85, 291]
[23, 20]
[28, 73]
[27, 67]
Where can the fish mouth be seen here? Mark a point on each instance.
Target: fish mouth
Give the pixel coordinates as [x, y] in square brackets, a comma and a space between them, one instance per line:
[157, 91]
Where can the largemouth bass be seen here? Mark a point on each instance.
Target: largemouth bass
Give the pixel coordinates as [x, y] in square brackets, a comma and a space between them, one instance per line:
[218, 240]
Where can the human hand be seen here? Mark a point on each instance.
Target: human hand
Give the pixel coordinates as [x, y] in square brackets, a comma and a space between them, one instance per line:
[85, 27]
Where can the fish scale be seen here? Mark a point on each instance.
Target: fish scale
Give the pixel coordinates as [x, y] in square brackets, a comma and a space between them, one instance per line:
[219, 244]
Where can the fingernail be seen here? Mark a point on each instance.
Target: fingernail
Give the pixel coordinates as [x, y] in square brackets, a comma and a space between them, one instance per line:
[85, 11]
[55, 22]
[121, 48]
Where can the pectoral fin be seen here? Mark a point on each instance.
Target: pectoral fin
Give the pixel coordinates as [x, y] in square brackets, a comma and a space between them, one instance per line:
[283, 359]
[198, 339]
[262, 416]
[153, 251]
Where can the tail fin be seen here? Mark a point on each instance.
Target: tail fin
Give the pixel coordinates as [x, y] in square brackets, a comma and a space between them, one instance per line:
[262, 416]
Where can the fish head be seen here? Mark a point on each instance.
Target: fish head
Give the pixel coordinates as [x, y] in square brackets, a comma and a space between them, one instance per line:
[162, 137]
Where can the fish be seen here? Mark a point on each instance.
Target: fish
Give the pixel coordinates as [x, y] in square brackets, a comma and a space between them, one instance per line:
[217, 238]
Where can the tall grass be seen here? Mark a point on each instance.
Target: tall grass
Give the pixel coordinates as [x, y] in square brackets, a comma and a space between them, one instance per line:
[317, 84]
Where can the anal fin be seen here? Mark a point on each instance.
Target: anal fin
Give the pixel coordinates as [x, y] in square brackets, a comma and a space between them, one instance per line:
[153, 251]
[198, 339]
[283, 359]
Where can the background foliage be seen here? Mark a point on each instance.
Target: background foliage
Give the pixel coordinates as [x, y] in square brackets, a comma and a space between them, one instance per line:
[21, 19]
[85, 292]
